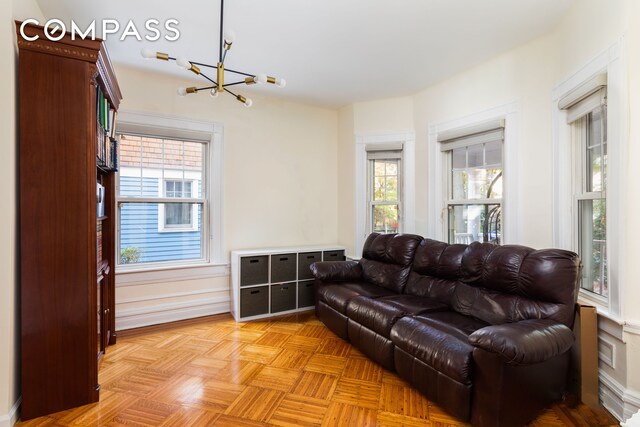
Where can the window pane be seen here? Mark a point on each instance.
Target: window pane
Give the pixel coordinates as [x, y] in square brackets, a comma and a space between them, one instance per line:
[379, 167]
[474, 223]
[193, 155]
[493, 153]
[392, 167]
[151, 152]
[459, 181]
[173, 154]
[177, 215]
[594, 169]
[142, 242]
[481, 184]
[385, 218]
[378, 188]
[391, 188]
[130, 163]
[459, 158]
[594, 158]
[593, 245]
[475, 156]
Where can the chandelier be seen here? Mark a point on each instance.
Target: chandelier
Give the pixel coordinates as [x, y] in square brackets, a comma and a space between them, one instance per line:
[218, 85]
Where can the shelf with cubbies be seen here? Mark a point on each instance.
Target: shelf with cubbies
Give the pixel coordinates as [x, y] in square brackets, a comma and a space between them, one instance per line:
[275, 281]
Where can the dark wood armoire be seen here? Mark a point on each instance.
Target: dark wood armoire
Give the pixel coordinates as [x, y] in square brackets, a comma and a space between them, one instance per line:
[68, 99]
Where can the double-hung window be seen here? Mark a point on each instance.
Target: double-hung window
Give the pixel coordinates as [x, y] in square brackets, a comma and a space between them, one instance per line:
[162, 200]
[587, 115]
[474, 183]
[384, 188]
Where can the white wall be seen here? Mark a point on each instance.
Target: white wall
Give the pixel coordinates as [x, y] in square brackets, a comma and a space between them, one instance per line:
[346, 160]
[280, 179]
[9, 262]
[525, 77]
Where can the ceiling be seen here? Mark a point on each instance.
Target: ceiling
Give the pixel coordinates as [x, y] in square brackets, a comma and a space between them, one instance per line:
[331, 52]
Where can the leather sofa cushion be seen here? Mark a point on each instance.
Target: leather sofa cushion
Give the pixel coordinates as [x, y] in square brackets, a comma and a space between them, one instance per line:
[438, 259]
[396, 249]
[439, 340]
[386, 259]
[498, 307]
[391, 276]
[548, 276]
[337, 296]
[426, 286]
[380, 314]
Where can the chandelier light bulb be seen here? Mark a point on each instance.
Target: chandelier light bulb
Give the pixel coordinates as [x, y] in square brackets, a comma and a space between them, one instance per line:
[182, 91]
[183, 63]
[147, 53]
[248, 103]
[280, 82]
[213, 93]
[260, 78]
[229, 36]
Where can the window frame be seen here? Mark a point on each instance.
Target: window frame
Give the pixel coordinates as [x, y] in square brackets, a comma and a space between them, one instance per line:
[509, 113]
[361, 184]
[371, 188]
[211, 133]
[450, 202]
[579, 138]
[613, 63]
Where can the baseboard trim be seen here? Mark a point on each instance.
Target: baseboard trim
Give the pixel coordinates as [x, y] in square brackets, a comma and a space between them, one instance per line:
[171, 312]
[11, 418]
[619, 400]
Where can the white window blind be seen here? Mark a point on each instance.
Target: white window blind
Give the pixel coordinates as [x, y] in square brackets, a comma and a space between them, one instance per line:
[384, 151]
[585, 98]
[479, 134]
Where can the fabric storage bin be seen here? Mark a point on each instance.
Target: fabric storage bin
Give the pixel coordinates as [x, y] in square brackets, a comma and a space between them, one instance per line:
[283, 297]
[254, 301]
[305, 294]
[254, 270]
[305, 260]
[333, 255]
[283, 268]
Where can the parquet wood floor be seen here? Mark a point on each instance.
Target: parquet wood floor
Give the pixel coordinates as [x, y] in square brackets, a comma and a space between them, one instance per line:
[290, 371]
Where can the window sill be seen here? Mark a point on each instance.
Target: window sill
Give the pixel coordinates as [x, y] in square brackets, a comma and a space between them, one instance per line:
[177, 230]
[600, 303]
[170, 273]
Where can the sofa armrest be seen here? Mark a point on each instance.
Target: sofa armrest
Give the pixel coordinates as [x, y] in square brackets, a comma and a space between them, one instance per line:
[525, 342]
[337, 271]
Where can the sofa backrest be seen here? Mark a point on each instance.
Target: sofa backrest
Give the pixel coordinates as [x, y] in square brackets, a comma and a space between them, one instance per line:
[498, 284]
[435, 272]
[386, 259]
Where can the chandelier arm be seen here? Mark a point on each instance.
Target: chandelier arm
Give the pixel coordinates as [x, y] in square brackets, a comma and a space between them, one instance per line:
[210, 79]
[239, 72]
[221, 28]
[227, 90]
[206, 88]
[201, 64]
[234, 83]
[224, 55]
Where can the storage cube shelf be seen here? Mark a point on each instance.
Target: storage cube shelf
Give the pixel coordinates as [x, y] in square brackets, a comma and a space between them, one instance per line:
[275, 281]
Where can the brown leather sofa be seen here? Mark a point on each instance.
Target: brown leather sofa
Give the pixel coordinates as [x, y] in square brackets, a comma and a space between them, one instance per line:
[482, 330]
